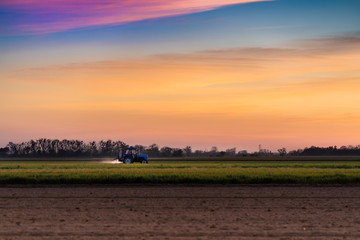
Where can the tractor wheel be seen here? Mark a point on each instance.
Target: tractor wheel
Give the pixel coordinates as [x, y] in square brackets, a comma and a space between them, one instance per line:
[144, 161]
[127, 160]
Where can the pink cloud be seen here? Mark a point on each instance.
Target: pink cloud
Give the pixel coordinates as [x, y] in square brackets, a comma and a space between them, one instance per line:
[41, 17]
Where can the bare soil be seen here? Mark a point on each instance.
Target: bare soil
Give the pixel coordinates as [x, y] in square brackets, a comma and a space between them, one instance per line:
[180, 212]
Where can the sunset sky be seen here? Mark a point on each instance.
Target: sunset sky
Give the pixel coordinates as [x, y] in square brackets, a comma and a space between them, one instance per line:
[225, 73]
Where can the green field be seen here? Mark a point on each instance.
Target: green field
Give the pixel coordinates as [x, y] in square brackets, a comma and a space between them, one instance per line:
[181, 172]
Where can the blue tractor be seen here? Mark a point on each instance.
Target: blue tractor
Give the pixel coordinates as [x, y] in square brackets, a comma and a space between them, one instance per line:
[132, 155]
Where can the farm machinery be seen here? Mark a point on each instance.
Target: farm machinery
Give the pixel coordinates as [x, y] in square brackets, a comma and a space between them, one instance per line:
[132, 155]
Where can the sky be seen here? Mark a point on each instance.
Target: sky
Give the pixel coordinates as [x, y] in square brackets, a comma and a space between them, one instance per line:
[229, 73]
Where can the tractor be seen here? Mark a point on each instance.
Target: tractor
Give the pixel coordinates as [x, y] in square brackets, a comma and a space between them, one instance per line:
[132, 155]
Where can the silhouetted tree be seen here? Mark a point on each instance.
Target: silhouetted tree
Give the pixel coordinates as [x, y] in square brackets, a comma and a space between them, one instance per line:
[166, 152]
[4, 151]
[243, 153]
[153, 150]
[282, 152]
[231, 152]
[187, 151]
[213, 151]
[177, 152]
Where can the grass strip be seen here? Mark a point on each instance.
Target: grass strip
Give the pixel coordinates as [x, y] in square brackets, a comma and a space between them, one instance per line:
[180, 176]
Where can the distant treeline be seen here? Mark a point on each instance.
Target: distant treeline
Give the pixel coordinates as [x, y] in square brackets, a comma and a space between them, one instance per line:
[327, 151]
[75, 148]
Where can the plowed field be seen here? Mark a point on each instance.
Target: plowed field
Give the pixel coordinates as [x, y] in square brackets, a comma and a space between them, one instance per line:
[180, 211]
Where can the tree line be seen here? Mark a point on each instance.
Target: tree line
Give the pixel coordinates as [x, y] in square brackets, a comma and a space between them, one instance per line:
[62, 148]
[327, 151]
[75, 148]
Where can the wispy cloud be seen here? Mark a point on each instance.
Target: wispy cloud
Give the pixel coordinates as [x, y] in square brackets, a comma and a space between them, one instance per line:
[349, 42]
[271, 27]
[229, 67]
[39, 17]
[224, 69]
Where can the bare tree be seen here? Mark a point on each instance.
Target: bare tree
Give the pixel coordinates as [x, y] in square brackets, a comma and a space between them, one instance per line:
[282, 152]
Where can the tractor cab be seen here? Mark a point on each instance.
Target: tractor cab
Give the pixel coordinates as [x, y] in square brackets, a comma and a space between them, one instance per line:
[132, 155]
[131, 151]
